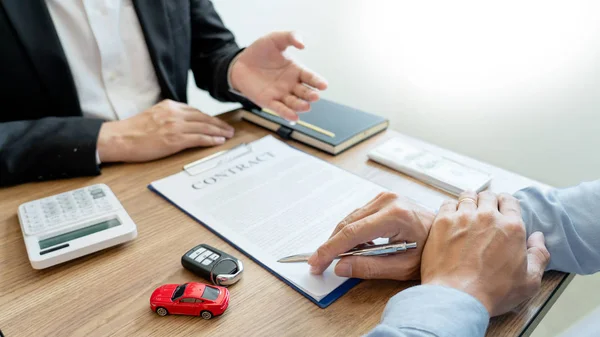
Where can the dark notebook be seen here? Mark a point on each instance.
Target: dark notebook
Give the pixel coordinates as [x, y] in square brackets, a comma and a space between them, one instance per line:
[350, 126]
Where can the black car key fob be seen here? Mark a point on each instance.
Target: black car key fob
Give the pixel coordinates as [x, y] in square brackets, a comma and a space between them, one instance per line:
[212, 264]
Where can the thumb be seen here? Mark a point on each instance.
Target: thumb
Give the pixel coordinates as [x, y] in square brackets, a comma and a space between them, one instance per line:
[538, 258]
[285, 39]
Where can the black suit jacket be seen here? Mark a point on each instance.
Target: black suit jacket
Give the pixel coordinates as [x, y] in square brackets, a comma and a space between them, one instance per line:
[42, 132]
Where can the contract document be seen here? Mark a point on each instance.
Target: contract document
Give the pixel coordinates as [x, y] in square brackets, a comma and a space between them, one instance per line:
[270, 200]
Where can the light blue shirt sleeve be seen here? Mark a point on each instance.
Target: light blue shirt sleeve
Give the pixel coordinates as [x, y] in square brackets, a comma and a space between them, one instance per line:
[570, 221]
[432, 311]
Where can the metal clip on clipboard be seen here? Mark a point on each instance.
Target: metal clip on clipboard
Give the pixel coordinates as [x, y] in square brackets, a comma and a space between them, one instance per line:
[215, 160]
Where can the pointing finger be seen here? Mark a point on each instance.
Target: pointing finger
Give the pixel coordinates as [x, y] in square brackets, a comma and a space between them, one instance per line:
[367, 229]
[370, 208]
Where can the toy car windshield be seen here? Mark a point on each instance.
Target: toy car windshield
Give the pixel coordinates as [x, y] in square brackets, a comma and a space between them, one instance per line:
[179, 291]
[210, 293]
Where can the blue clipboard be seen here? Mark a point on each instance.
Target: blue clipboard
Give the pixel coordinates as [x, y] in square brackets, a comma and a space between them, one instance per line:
[323, 303]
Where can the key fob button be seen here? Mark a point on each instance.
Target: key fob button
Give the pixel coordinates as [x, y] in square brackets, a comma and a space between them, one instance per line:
[196, 253]
[203, 256]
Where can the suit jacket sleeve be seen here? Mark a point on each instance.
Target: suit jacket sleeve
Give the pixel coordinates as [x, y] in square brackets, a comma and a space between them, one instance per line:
[213, 49]
[48, 148]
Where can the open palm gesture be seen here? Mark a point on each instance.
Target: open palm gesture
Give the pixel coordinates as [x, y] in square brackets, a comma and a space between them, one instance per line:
[270, 79]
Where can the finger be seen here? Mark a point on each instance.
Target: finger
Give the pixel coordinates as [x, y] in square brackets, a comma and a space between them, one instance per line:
[283, 111]
[296, 40]
[467, 201]
[346, 220]
[509, 205]
[306, 93]
[283, 40]
[538, 258]
[371, 207]
[312, 79]
[195, 140]
[396, 267]
[194, 115]
[487, 201]
[350, 218]
[381, 196]
[448, 206]
[206, 129]
[296, 103]
[361, 231]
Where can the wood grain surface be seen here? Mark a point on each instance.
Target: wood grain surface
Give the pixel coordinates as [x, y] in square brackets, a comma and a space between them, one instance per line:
[107, 293]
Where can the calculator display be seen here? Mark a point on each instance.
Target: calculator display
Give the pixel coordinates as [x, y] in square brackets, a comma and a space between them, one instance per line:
[76, 234]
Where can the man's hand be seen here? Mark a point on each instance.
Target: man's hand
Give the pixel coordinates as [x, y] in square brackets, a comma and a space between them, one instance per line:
[267, 77]
[478, 246]
[164, 129]
[386, 216]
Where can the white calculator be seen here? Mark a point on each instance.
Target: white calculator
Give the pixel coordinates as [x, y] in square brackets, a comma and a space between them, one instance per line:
[73, 224]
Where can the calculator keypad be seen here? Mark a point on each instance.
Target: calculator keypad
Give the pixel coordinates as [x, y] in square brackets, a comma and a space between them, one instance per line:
[63, 209]
[204, 256]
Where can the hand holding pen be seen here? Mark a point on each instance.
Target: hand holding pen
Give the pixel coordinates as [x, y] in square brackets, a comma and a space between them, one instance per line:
[386, 216]
[361, 250]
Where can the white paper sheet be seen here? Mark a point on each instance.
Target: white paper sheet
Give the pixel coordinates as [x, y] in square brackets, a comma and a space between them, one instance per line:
[273, 202]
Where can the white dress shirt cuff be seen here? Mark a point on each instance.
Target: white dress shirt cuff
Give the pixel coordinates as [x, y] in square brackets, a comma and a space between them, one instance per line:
[231, 89]
[98, 162]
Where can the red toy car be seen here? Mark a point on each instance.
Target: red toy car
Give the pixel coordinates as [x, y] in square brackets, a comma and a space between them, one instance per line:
[195, 299]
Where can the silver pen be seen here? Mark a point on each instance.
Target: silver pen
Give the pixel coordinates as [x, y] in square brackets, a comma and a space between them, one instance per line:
[372, 250]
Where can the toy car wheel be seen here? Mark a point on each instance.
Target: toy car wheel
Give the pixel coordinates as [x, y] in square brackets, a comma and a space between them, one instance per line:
[162, 311]
[206, 314]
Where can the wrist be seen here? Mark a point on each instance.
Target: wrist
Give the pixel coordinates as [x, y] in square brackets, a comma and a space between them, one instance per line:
[111, 143]
[467, 287]
[232, 73]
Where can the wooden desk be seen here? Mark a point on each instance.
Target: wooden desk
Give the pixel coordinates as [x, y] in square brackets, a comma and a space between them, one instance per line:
[107, 293]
